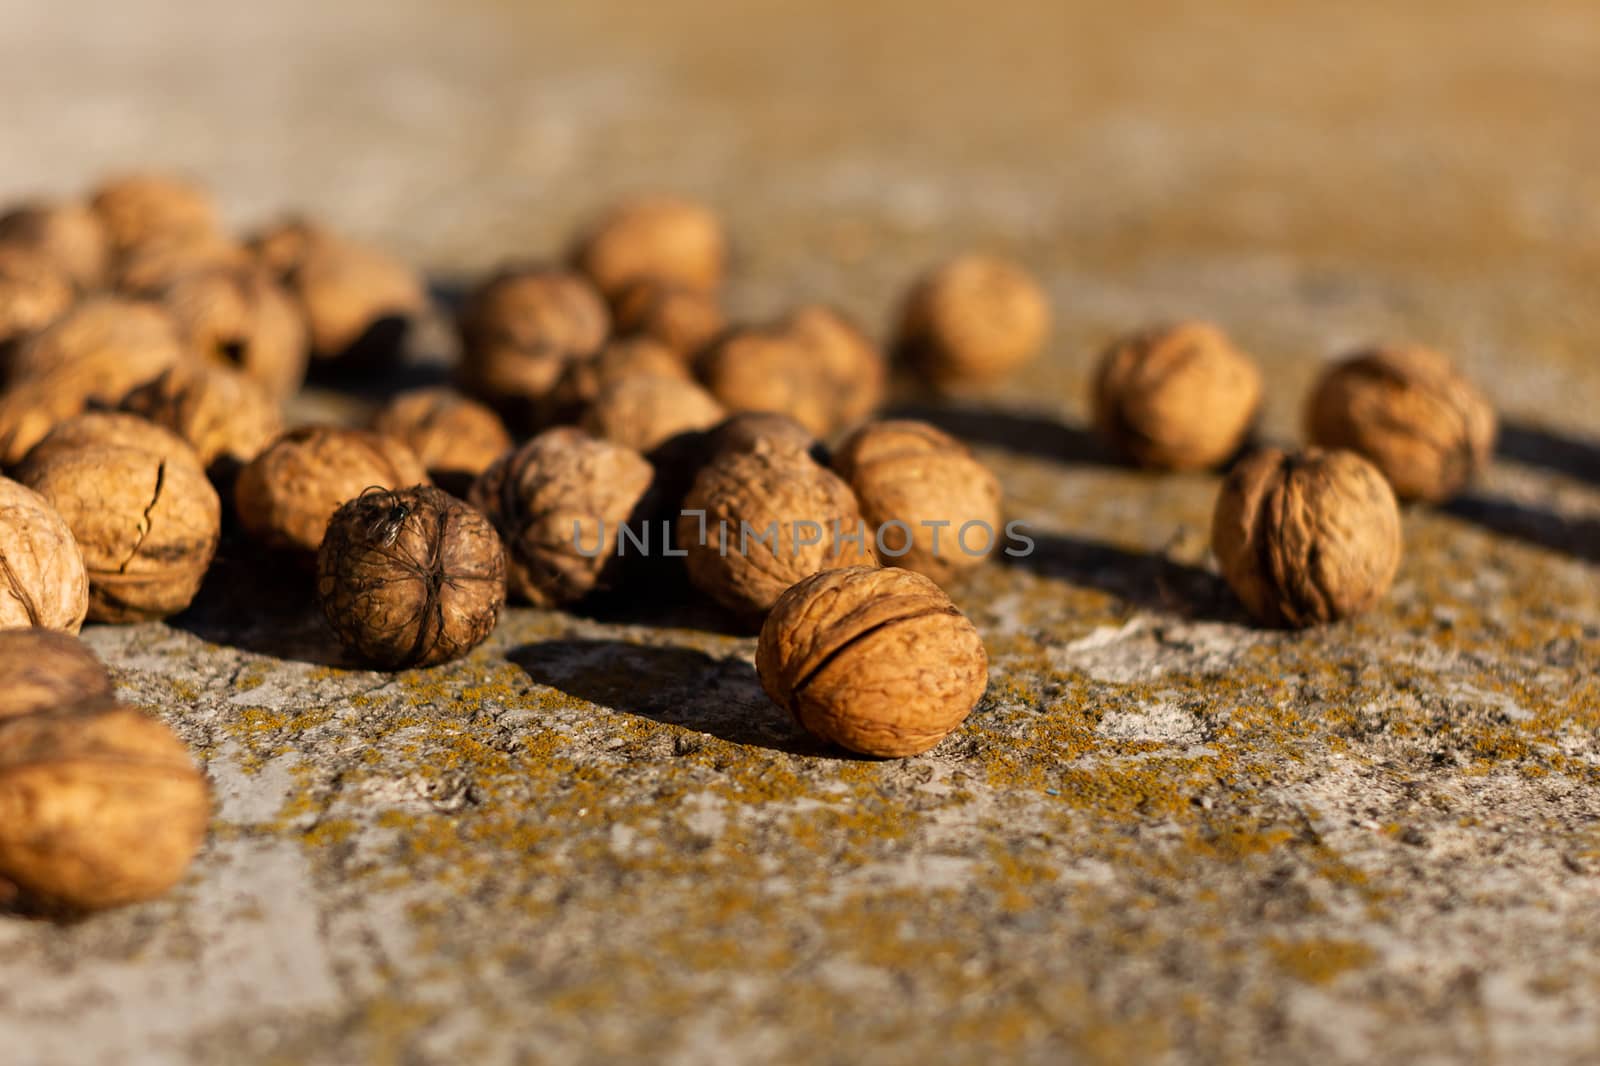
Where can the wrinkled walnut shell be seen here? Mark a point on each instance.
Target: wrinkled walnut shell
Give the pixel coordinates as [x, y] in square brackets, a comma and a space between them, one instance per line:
[69, 235]
[34, 292]
[559, 502]
[47, 670]
[772, 488]
[972, 321]
[1176, 398]
[646, 411]
[1306, 538]
[222, 413]
[285, 496]
[139, 506]
[685, 320]
[654, 238]
[100, 806]
[911, 473]
[410, 578]
[42, 580]
[456, 438]
[878, 661]
[240, 318]
[583, 380]
[1411, 413]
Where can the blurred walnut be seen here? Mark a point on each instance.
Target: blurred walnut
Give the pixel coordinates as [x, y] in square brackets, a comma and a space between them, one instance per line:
[583, 380]
[238, 317]
[748, 429]
[456, 438]
[682, 318]
[47, 670]
[521, 329]
[1306, 538]
[1410, 412]
[100, 805]
[853, 367]
[1176, 398]
[933, 507]
[220, 412]
[138, 503]
[33, 294]
[410, 578]
[771, 517]
[68, 234]
[766, 368]
[285, 495]
[147, 270]
[654, 238]
[42, 580]
[645, 411]
[359, 304]
[138, 208]
[972, 321]
[559, 502]
[878, 661]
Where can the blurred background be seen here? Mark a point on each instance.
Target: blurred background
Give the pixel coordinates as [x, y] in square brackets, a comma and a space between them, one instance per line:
[1312, 177]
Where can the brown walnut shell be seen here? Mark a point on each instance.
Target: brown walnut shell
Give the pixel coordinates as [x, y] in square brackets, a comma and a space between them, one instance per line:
[1411, 413]
[34, 292]
[1176, 398]
[42, 579]
[654, 238]
[285, 496]
[768, 368]
[748, 429]
[138, 208]
[412, 577]
[856, 372]
[147, 270]
[138, 503]
[47, 670]
[878, 661]
[972, 321]
[771, 516]
[456, 438]
[909, 477]
[583, 380]
[242, 319]
[68, 234]
[1306, 538]
[222, 413]
[646, 411]
[99, 807]
[683, 319]
[559, 502]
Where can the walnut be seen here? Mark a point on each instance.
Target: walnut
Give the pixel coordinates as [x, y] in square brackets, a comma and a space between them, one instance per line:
[147, 270]
[409, 578]
[1177, 397]
[240, 317]
[682, 318]
[765, 368]
[359, 303]
[34, 292]
[853, 367]
[744, 431]
[223, 414]
[456, 438]
[44, 669]
[42, 580]
[520, 330]
[138, 208]
[68, 234]
[100, 806]
[1306, 538]
[1409, 411]
[933, 506]
[878, 661]
[583, 380]
[771, 517]
[95, 353]
[656, 238]
[972, 321]
[285, 496]
[559, 502]
[646, 411]
[138, 503]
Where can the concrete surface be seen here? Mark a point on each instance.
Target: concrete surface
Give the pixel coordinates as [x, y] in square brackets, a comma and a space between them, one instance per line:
[1165, 836]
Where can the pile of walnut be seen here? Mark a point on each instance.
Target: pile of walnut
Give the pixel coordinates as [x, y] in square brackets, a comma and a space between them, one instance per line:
[603, 402]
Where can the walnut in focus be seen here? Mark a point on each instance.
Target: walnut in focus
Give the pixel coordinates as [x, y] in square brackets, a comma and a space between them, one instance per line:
[100, 806]
[1306, 538]
[1178, 397]
[521, 329]
[682, 318]
[34, 292]
[45, 670]
[1409, 411]
[933, 506]
[42, 579]
[223, 414]
[456, 438]
[646, 411]
[412, 577]
[239, 317]
[771, 516]
[285, 496]
[68, 234]
[658, 238]
[359, 303]
[878, 661]
[559, 502]
[138, 208]
[972, 321]
[139, 506]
